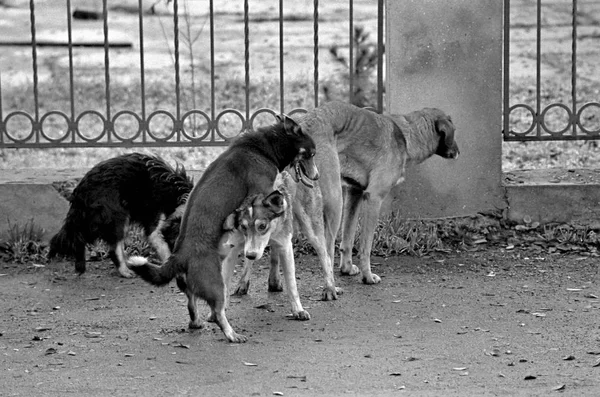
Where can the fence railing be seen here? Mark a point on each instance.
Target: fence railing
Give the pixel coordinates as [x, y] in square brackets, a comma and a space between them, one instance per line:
[551, 83]
[101, 108]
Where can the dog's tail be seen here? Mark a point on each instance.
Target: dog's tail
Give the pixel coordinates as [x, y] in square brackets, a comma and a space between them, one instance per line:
[64, 242]
[153, 274]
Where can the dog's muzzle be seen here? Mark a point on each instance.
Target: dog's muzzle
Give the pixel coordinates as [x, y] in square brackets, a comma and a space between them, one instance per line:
[301, 174]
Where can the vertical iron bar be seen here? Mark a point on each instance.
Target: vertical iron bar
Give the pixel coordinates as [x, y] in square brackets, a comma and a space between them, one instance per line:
[212, 71]
[71, 129]
[380, 51]
[505, 66]
[36, 126]
[247, 127]
[2, 126]
[108, 125]
[281, 82]
[316, 51]
[143, 126]
[351, 51]
[177, 127]
[538, 69]
[574, 69]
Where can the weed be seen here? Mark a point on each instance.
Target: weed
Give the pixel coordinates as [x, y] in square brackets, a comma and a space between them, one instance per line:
[24, 244]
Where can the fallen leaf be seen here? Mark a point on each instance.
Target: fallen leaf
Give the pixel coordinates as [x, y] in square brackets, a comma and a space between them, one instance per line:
[597, 363]
[71, 353]
[50, 350]
[530, 377]
[179, 344]
[574, 289]
[301, 378]
[93, 334]
[437, 320]
[41, 329]
[539, 314]
[277, 393]
[559, 387]
[591, 296]
[459, 369]
[250, 364]
[569, 358]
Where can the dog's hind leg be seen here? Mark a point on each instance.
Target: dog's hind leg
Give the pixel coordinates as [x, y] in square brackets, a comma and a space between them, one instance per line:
[79, 258]
[352, 202]
[371, 207]
[157, 239]
[117, 255]
[195, 321]
[285, 252]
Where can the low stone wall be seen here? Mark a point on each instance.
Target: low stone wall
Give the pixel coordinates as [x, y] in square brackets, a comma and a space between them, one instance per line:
[545, 196]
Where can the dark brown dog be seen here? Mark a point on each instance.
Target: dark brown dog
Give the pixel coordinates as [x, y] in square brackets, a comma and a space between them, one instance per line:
[248, 167]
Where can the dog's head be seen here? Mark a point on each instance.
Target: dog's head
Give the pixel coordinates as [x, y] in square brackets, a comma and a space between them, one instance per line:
[447, 147]
[303, 165]
[256, 219]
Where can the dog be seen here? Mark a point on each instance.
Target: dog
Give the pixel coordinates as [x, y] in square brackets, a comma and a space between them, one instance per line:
[129, 189]
[372, 152]
[247, 167]
[362, 156]
[261, 221]
[307, 217]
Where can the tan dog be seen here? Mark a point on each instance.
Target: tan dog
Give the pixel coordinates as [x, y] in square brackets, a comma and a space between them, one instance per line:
[362, 156]
[248, 167]
[266, 221]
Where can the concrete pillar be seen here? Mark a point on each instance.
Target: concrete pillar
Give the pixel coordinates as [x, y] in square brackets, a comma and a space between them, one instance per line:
[448, 54]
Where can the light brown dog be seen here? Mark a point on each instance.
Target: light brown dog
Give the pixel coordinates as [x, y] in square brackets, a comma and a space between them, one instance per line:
[361, 157]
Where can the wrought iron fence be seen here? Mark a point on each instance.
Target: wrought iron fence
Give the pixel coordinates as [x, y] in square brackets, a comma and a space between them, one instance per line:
[193, 125]
[551, 82]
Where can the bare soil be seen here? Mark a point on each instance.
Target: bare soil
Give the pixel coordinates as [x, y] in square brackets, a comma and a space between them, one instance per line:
[489, 322]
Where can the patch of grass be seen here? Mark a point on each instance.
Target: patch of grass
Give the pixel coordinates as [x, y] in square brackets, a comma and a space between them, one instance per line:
[24, 243]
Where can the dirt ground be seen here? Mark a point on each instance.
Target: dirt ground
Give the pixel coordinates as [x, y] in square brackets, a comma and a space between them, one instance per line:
[492, 322]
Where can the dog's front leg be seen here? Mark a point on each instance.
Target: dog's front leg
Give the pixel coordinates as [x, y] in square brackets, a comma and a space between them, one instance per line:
[275, 284]
[285, 252]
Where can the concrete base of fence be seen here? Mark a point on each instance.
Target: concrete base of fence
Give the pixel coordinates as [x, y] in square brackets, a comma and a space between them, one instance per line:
[545, 196]
[557, 195]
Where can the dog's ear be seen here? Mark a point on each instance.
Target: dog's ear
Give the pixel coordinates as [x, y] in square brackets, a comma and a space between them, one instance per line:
[230, 223]
[445, 128]
[275, 202]
[290, 125]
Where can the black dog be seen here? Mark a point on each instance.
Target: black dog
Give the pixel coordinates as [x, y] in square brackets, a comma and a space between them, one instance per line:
[132, 188]
[248, 167]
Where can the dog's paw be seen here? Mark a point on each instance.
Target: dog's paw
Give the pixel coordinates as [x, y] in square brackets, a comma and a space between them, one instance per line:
[242, 289]
[234, 337]
[125, 272]
[371, 279]
[301, 316]
[275, 285]
[330, 294]
[196, 324]
[351, 270]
